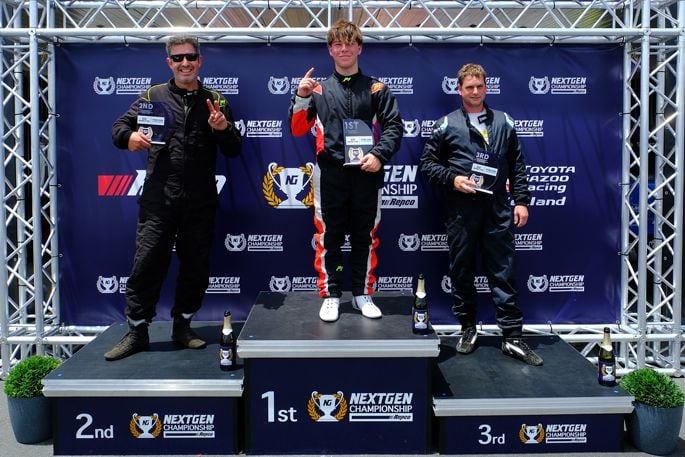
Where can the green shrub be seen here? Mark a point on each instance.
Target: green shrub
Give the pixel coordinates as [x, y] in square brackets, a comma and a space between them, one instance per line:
[25, 379]
[653, 388]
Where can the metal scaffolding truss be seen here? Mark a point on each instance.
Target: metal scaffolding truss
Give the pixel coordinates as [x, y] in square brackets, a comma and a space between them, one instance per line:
[650, 328]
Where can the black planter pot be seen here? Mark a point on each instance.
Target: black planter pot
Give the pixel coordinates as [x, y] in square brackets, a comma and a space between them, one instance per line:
[30, 419]
[654, 430]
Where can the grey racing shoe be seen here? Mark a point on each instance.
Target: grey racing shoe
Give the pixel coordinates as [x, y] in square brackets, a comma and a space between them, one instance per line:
[518, 349]
[136, 340]
[467, 342]
[183, 335]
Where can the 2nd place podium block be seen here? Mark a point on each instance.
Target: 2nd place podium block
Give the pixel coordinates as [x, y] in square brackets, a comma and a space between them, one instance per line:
[163, 401]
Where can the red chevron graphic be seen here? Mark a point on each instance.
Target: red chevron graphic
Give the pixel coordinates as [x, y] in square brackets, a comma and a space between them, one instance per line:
[114, 185]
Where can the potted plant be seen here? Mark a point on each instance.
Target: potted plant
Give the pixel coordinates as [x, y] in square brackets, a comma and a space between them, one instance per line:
[29, 411]
[655, 421]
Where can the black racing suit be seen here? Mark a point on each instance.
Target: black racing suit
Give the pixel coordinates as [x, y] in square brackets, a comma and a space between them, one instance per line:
[346, 199]
[479, 221]
[179, 198]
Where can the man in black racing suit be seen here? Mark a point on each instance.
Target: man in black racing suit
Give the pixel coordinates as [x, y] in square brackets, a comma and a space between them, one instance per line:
[179, 198]
[346, 198]
[471, 153]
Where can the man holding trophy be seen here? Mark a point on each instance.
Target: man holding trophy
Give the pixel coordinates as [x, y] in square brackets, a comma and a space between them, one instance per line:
[472, 153]
[181, 125]
[358, 129]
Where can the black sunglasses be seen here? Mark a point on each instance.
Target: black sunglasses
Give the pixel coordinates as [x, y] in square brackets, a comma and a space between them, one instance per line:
[179, 57]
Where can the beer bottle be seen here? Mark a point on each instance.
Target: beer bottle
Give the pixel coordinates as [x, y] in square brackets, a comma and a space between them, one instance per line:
[227, 349]
[419, 312]
[606, 362]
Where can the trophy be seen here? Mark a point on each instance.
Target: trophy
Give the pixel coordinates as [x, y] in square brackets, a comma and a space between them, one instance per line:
[155, 121]
[484, 171]
[291, 181]
[531, 434]
[145, 424]
[358, 140]
[327, 404]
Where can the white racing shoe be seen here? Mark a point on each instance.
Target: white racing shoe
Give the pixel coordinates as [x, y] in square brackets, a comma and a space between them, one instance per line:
[329, 309]
[364, 304]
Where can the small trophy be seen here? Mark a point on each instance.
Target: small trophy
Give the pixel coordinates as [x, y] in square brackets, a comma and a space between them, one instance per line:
[155, 121]
[484, 171]
[358, 140]
[327, 404]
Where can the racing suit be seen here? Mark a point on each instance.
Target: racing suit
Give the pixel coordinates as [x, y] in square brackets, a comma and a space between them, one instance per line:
[347, 199]
[179, 199]
[479, 221]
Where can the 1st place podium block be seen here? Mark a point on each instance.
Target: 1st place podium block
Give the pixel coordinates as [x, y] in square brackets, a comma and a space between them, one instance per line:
[354, 386]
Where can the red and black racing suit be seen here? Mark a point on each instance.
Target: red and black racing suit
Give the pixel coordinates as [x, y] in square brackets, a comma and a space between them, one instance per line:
[479, 221]
[179, 199]
[347, 199]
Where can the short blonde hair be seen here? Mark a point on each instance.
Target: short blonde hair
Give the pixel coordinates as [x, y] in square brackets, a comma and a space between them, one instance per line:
[470, 69]
[345, 32]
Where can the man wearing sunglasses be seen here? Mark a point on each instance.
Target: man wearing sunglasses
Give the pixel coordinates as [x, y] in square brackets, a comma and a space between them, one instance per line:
[178, 204]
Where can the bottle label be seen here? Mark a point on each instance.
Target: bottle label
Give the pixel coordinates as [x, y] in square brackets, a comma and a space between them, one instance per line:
[420, 320]
[607, 371]
[226, 357]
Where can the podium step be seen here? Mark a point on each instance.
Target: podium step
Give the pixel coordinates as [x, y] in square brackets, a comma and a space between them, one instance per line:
[487, 402]
[166, 400]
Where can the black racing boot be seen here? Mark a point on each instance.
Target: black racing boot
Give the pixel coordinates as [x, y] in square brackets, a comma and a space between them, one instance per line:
[467, 342]
[517, 348]
[183, 335]
[136, 340]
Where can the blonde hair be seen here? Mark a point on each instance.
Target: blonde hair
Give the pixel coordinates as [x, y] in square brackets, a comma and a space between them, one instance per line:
[345, 32]
[470, 69]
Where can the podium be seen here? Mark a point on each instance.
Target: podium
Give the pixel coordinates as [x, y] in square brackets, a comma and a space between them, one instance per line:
[354, 386]
[163, 401]
[487, 402]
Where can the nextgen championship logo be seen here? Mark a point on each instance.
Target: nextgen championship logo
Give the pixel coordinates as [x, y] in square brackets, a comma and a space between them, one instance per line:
[553, 433]
[361, 407]
[122, 85]
[172, 426]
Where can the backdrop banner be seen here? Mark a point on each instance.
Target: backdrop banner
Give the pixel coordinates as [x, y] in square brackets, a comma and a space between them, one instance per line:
[566, 101]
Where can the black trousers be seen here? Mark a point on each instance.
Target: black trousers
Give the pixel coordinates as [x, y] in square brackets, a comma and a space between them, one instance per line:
[191, 229]
[346, 200]
[482, 224]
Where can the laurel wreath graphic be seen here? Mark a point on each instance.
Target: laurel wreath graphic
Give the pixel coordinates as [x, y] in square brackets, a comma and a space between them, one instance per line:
[268, 187]
[524, 438]
[134, 429]
[314, 414]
